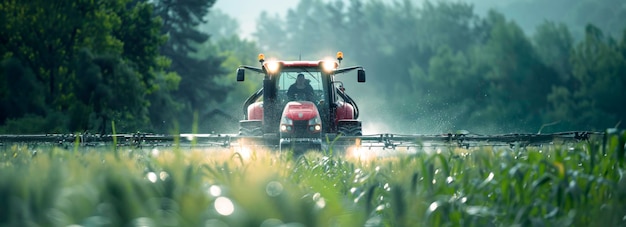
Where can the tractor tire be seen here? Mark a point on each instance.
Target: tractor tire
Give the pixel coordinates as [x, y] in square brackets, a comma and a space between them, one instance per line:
[350, 128]
[250, 128]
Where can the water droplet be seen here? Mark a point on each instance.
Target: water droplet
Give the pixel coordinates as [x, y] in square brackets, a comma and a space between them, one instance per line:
[215, 190]
[319, 200]
[152, 177]
[433, 206]
[449, 180]
[489, 178]
[274, 188]
[476, 210]
[386, 187]
[163, 175]
[224, 206]
[356, 200]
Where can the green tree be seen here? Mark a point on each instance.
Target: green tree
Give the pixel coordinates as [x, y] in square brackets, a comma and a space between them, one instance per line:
[112, 91]
[219, 25]
[65, 44]
[223, 115]
[20, 92]
[594, 100]
[199, 84]
[553, 43]
[518, 80]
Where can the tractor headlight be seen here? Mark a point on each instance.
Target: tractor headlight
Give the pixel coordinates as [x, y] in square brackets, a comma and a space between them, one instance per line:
[285, 128]
[315, 124]
[286, 124]
[329, 66]
[272, 67]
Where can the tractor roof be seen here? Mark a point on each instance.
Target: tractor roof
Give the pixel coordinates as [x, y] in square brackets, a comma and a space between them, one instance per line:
[300, 63]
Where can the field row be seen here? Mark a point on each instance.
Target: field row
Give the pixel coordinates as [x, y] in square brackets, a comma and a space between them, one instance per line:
[577, 184]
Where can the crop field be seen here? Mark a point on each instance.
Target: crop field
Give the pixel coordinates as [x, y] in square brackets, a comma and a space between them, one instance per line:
[560, 185]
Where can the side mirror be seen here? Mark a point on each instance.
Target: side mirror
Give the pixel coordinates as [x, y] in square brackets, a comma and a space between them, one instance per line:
[360, 75]
[240, 74]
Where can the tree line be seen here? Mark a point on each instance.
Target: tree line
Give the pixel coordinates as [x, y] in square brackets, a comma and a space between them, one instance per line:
[78, 66]
[442, 67]
[168, 66]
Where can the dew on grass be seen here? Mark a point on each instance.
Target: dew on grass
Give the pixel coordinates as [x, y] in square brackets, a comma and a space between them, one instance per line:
[319, 200]
[433, 207]
[215, 190]
[358, 198]
[449, 180]
[274, 188]
[152, 177]
[224, 206]
[489, 178]
[155, 152]
[163, 175]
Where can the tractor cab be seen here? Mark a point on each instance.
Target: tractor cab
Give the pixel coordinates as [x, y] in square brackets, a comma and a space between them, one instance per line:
[300, 100]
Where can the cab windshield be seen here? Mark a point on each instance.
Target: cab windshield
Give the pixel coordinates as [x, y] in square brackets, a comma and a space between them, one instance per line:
[289, 77]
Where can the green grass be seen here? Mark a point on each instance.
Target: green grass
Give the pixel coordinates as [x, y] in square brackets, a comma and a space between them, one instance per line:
[579, 185]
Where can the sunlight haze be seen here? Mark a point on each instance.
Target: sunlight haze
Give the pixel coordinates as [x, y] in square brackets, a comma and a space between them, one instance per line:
[246, 12]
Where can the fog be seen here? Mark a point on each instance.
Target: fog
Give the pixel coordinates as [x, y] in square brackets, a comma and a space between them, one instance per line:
[383, 108]
[246, 12]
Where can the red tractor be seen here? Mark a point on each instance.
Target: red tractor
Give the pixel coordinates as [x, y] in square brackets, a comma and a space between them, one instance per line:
[301, 103]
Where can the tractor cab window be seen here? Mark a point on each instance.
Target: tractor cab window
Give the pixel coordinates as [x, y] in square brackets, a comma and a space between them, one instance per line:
[302, 85]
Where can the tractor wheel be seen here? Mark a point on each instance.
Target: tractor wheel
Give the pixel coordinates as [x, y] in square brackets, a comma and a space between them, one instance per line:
[350, 128]
[250, 128]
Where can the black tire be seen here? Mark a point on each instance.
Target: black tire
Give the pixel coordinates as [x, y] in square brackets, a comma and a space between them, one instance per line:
[349, 128]
[250, 128]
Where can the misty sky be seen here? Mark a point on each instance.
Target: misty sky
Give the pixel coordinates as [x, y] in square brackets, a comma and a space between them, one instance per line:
[247, 11]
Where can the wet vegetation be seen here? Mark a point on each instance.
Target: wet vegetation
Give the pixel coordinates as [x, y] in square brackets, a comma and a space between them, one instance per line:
[562, 185]
[162, 66]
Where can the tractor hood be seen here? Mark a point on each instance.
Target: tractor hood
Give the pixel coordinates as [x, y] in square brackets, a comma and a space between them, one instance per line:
[301, 110]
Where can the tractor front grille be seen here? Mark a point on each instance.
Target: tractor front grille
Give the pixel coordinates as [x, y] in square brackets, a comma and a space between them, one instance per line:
[301, 128]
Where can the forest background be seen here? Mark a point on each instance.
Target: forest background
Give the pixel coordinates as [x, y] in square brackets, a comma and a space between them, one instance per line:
[163, 66]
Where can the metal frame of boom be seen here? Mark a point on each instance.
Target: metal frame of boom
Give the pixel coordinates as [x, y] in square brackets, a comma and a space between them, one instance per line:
[385, 140]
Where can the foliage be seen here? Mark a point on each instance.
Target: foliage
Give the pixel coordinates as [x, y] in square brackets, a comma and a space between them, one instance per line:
[98, 62]
[200, 75]
[608, 15]
[597, 84]
[439, 66]
[72, 56]
[562, 185]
